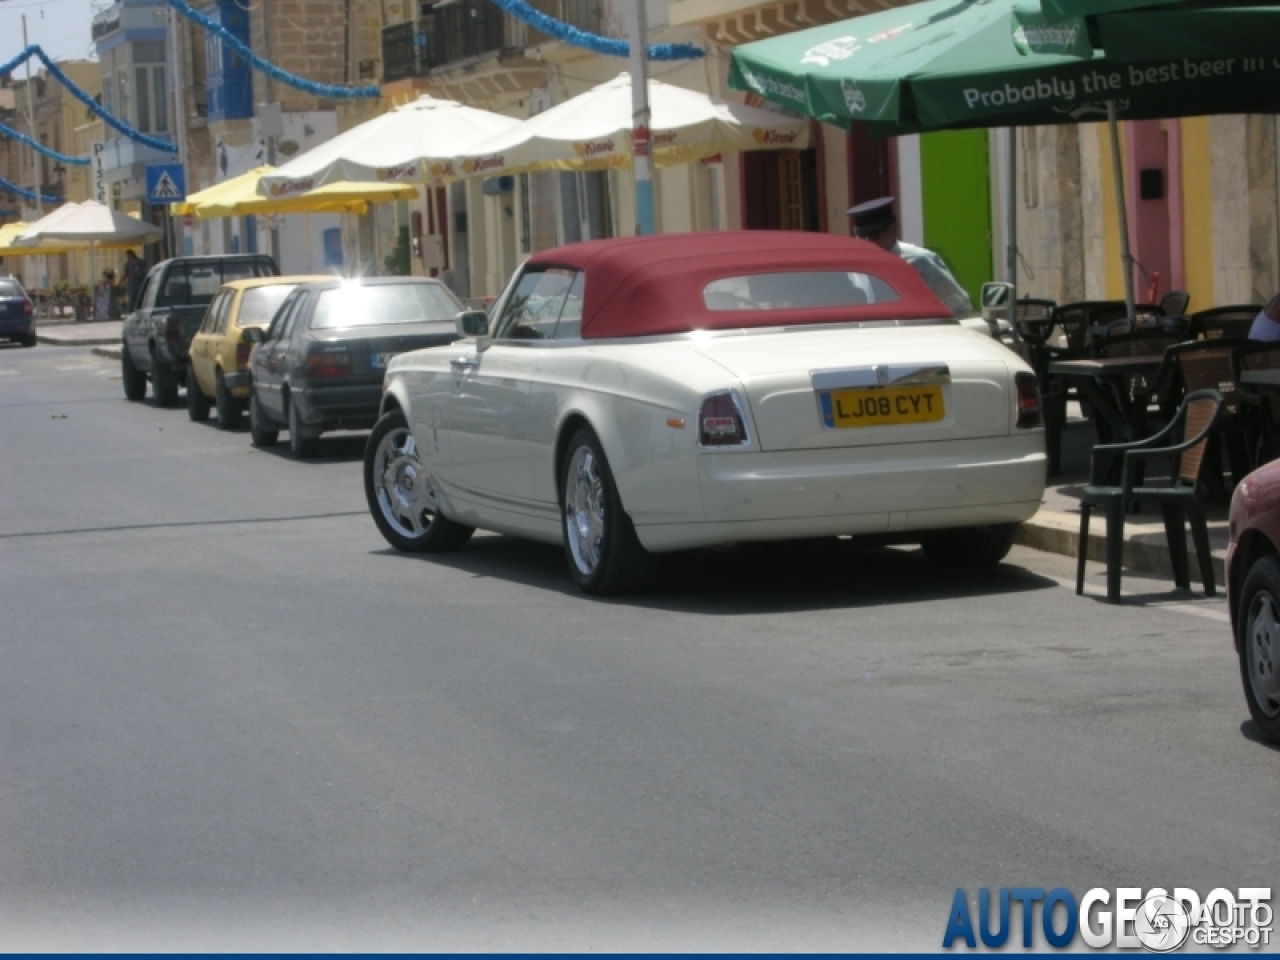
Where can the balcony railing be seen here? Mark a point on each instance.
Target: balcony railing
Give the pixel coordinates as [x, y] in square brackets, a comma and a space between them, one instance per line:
[458, 30]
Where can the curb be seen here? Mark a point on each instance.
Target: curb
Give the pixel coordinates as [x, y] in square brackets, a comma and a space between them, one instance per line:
[1055, 532]
[112, 351]
[74, 341]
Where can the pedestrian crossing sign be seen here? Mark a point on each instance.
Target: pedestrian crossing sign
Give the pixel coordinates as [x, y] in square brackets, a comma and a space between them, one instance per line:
[166, 183]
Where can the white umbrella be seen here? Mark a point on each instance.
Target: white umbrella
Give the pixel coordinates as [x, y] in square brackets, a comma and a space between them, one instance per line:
[593, 131]
[88, 224]
[410, 144]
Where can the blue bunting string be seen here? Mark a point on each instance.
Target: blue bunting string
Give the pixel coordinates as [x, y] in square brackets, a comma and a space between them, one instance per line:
[96, 108]
[605, 46]
[17, 191]
[266, 66]
[42, 149]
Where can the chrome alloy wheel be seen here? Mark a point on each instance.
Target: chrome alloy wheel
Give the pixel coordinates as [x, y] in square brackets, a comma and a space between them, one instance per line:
[584, 510]
[405, 494]
[1262, 653]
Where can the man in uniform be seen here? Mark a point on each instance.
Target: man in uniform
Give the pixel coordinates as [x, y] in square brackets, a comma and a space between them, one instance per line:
[874, 221]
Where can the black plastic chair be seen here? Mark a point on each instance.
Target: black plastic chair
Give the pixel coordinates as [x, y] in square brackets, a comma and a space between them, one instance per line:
[1175, 303]
[1258, 355]
[1233, 321]
[1188, 437]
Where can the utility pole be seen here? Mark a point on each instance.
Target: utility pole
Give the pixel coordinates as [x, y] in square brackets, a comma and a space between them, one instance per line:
[640, 118]
[31, 123]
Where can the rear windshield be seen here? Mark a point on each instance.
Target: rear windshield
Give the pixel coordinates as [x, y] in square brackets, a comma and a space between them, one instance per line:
[259, 304]
[194, 284]
[797, 291]
[9, 289]
[367, 306]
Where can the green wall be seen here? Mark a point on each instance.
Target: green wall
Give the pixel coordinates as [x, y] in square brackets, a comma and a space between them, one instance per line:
[956, 194]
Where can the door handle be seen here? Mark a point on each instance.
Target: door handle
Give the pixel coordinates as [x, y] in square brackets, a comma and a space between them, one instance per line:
[463, 364]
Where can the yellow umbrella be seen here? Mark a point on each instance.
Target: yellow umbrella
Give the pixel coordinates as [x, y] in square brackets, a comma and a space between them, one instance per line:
[243, 187]
[10, 231]
[331, 198]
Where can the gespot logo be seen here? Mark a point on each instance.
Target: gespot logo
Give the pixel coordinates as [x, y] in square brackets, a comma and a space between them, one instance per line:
[1127, 918]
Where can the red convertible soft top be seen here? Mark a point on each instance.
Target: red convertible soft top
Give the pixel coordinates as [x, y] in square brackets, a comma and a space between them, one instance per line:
[641, 286]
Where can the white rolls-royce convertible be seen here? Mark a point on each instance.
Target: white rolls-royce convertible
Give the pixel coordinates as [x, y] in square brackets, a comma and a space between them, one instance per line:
[630, 397]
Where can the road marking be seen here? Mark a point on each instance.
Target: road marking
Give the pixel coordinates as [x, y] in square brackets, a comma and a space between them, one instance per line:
[1174, 606]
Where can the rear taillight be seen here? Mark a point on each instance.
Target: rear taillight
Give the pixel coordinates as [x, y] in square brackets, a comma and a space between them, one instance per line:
[720, 422]
[27, 308]
[242, 354]
[1028, 400]
[332, 363]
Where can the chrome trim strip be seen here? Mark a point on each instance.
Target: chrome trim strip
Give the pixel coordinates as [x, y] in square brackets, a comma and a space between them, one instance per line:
[881, 375]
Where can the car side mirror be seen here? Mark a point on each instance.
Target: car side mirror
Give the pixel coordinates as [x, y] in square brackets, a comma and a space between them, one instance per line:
[252, 335]
[995, 296]
[473, 323]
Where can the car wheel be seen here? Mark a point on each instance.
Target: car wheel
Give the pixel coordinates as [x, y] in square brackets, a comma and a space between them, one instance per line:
[600, 543]
[29, 340]
[1259, 645]
[970, 546]
[228, 406]
[164, 383]
[302, 447]
[135, 381]
[197, 402]
[400, 495]
[259, 435]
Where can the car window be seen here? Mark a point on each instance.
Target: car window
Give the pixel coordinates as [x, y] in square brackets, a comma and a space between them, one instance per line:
[259, 304]
[357, 305]
[9, 288]
[275, 332]
[797, 291]
[151, 288]
[224, 301]
[534, 307]
[298, 308]
[210, 322]
[569, 326]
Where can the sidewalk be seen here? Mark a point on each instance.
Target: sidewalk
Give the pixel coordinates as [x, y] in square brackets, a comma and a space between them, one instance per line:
[65, 333]
[1056, 528]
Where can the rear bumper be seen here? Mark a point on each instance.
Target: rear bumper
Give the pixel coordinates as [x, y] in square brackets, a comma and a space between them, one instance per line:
[237, 383]
[885, 491]
[340, 408]
[14, 328]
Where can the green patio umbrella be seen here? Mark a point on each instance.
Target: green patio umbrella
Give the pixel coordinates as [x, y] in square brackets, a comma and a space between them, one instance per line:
[1241, 41]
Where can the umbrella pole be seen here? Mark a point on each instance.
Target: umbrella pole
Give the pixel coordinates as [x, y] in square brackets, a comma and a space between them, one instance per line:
[306, 228]
[1012, 229]
[1118, 173]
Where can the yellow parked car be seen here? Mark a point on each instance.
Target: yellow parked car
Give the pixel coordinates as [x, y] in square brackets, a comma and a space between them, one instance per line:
[218, 372]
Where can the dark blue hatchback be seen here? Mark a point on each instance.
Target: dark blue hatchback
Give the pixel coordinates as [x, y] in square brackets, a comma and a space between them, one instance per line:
[17, 313]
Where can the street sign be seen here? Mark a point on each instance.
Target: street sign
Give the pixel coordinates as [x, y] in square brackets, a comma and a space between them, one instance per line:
[100, 192]
[166, 183]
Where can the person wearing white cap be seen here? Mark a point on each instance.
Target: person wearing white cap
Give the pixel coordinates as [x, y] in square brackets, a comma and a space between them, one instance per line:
[874, 221]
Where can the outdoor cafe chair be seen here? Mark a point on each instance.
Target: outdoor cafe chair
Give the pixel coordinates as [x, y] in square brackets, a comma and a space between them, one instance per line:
[1233, 321]
[1175, 303]
[1145, 343]
[1206, 365]
[1182, 445]
[1258, 355]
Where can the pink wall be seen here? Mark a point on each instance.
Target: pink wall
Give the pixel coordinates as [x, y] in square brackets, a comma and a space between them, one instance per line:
[1155, 225]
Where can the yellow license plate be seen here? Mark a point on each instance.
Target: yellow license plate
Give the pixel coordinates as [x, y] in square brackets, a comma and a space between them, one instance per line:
[884, 406]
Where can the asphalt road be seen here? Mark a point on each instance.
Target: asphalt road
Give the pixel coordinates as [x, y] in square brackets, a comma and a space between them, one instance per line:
[232, 718]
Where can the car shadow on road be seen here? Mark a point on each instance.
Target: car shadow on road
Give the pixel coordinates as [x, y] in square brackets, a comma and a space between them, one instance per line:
[338, 448]
[1249, 730]
[753, 578]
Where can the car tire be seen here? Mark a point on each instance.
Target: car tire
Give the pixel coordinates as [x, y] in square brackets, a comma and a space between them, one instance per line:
[600, 544]
[135, 381]
[302, 447]
[400, 494]
[228, 406]
[197, 402]
[259, 435]
[1258, 645]
[970, 546]
[164, 383]
[29, 340]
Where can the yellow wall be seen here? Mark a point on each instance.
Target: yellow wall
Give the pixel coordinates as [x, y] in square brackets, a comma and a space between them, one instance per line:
[1197, 213]
[1110, 214]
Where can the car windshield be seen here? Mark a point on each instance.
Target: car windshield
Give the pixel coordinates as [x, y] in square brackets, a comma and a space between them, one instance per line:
[195, 284]
[797, 291]
[357, 305]
[259, 304]
[10, 289]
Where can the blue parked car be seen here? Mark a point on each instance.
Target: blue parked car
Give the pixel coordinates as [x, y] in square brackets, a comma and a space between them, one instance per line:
[17, 313]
